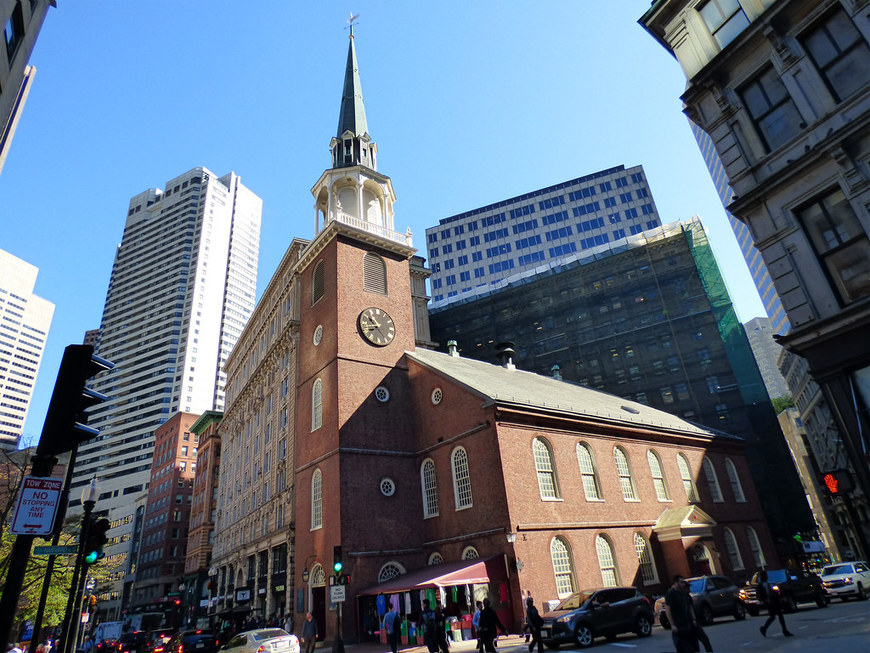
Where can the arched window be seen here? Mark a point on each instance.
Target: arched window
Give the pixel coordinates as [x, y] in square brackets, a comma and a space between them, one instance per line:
[736, 487]
[316, 500]
[645, 560]
[623, 470]
[606, 561]
[389, 571]
[712, 480]
[317, 283]
[317, 405]
[374, 274]
[755, 547]
[430, 489]
[561, 556]
[546, 471]
[317, 577]
[461, 479]
[733, 551]
[658, 475]
[435, 559]
[688, 480]
[470, 553]
[591, 486]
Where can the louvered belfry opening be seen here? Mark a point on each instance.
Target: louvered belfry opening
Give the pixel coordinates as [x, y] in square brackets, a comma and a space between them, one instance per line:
[317, 283]
[374, 274]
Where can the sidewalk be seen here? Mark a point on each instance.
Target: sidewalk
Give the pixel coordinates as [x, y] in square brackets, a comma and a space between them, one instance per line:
[504, 641]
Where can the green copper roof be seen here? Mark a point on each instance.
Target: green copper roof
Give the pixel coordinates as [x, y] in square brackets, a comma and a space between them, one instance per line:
[353, 113]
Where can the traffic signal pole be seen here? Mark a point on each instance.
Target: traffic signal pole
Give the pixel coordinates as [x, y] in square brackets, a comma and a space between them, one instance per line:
[72, 616]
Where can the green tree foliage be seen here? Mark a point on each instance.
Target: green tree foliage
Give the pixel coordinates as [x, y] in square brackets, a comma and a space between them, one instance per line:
[781, 403]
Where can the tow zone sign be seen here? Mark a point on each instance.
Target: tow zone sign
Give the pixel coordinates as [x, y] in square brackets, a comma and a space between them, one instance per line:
[37, 506]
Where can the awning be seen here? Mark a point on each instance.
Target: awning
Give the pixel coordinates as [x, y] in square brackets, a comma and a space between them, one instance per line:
[464, 572]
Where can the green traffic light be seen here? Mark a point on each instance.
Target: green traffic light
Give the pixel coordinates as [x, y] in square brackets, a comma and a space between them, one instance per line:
[337, 566]
[92, 557]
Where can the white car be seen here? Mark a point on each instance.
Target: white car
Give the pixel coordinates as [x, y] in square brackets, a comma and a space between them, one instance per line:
[846, 579]
[263, 640]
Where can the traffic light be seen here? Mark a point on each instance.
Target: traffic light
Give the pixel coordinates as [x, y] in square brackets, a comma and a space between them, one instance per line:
[337, 564]
[96, 541]
[66, 421]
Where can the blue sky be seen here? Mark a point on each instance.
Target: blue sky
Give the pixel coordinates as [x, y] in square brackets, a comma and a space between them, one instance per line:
[470, 103]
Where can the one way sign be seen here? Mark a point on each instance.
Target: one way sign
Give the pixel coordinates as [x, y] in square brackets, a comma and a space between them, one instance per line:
[37, 506]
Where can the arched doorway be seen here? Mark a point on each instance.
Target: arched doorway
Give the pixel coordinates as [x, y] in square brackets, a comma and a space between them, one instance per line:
[701, 561]
[317, 598]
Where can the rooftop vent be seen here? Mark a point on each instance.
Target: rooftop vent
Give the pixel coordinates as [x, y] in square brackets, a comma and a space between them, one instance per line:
[556, 372]
[506, 355]
[453, 348]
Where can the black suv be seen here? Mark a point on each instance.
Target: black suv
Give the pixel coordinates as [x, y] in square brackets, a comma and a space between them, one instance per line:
[583, 616]
[135, 641]
[793, 586]
[192, 641]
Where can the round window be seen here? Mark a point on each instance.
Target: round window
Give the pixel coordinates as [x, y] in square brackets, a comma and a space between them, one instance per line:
[388, 487]
[437, 396]
[382, 394]
[318, 334]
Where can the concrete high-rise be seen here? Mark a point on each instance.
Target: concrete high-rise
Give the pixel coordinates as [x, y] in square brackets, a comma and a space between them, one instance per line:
[26, 319]
[485, 245]
[759, 332]
[21, 23]
[182, 288]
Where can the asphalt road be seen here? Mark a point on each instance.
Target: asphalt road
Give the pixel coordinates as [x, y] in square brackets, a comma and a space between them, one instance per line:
[838, 628]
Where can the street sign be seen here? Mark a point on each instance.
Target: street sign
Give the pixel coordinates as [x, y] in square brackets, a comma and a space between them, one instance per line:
[37, 506]
[337, 593]
[62, 550]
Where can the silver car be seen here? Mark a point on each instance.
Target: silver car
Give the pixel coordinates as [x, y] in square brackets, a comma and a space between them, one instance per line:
[263, 640]
[712, 596]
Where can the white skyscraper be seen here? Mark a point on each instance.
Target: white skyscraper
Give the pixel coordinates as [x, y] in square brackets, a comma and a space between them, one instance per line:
[182, 288]
[24, 323]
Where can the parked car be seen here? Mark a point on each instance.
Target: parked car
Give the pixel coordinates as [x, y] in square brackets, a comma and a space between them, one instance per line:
[188, 641]
[109, 645]
[793, 586]
[713, 596]
[583, 616]
[846, 579]
[159, 639]
[135, 641]
[263, 640]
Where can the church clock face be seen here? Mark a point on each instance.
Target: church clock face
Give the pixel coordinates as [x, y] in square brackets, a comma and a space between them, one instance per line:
[376, 327]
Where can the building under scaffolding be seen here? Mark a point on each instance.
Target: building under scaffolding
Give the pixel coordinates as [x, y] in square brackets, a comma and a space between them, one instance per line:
[647, 318]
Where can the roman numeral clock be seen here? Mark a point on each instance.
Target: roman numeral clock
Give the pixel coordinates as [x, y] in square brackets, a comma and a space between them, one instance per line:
[376, 326]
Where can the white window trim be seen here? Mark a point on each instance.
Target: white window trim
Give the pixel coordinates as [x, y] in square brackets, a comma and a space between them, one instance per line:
[426, 513]
[316, 500]
[316, 405]
[455, 480]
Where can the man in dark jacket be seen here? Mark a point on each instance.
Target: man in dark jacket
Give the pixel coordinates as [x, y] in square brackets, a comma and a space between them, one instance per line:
[535, 622]
[489, 622]
[309, 633]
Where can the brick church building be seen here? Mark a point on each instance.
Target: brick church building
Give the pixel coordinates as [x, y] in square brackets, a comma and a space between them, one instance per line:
[444, 476]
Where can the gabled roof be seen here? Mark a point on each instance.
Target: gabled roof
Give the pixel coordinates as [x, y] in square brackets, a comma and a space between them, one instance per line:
[352, 116]
[499, 385]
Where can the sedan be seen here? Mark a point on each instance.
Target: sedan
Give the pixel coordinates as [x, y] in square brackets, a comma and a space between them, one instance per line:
[263, 640]
[846, 579]
[712, 596]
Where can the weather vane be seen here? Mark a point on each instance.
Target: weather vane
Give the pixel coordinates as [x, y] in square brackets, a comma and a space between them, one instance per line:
[350, 21]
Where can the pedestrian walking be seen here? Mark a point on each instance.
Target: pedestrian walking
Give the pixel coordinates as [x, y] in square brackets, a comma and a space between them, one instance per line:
[392, 623]
[429, 621]
[535, 622]
[475, 621]
[681, 615]
[767, 595]
[441, 627]
[309, 633]
[489, 626]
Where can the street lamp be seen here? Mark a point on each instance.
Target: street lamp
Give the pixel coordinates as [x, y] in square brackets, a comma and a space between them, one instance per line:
[90, 494]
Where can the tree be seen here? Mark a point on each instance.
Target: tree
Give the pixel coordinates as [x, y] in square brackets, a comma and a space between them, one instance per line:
[782, 403]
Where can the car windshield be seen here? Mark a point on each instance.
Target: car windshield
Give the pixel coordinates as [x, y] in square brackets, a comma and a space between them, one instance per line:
[837, 569]
[269, 634]
[575, 600]
[697, 585]
[777, 576]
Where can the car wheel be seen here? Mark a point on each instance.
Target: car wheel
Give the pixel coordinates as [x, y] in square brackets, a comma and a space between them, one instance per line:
[706, 615]
[739, 611]
[643, 626]
[789, 604]
[583, 636]
[862, 592]
[663, 620]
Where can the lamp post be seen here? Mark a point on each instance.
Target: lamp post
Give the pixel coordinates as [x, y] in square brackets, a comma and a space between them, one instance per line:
[72, 619]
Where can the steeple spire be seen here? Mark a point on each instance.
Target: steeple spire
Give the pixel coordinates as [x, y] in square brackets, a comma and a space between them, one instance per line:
[352, 136]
